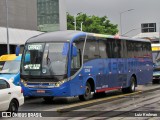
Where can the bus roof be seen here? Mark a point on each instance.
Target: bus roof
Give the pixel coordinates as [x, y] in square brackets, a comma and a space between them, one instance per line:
[55, 36]
[70, 34]
[10, 57]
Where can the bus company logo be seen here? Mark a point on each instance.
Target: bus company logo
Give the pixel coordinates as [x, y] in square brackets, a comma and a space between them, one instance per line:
[6, 114]
[40, 85]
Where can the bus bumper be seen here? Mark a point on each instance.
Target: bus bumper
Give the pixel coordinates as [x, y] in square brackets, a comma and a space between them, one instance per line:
[42, 92]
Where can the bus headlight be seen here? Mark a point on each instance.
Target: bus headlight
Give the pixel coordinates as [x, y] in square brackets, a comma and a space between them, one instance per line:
[11, 80]
[57, 84]
[24, 82]
[62, 81]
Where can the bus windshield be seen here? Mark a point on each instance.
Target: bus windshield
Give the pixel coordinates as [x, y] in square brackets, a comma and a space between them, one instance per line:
[9, 67]
[45, 59]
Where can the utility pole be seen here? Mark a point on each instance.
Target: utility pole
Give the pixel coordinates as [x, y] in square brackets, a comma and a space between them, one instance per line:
[159, 32]
[121, 32]
[81, 26]
[8, 48]
[75, 22]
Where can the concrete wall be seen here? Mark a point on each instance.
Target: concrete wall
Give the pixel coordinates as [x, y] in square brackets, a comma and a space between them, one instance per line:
[22, 14]
[63, 16]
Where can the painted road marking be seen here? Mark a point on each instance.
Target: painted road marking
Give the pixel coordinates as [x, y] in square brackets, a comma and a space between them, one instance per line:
[66, 109]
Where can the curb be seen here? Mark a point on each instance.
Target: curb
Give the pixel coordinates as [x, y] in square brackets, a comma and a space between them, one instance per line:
[99, 101]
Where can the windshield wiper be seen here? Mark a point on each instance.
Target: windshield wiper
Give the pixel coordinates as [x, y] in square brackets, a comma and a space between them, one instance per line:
[7, 73]
[48, 59]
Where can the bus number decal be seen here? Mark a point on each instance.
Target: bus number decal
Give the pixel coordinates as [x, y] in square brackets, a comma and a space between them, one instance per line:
[32, 66]
[34, 47]
[105, 86]
[87, 70]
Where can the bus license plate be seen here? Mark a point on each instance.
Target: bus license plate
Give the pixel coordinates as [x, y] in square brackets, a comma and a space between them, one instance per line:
[40, 91]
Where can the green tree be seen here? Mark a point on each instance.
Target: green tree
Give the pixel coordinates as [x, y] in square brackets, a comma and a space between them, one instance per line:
[92, 24]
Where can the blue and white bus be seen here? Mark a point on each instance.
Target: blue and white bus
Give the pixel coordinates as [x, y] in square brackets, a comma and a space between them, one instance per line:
[74, 63]
[10, 67]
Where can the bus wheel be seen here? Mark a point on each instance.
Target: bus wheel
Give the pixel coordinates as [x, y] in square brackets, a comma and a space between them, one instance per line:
[48, 99]
[87, 94]
[131, 88]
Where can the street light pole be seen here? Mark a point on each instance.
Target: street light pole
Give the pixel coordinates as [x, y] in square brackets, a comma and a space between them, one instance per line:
[121, 32]
[159, 32]
[81, 26]
[75, 22]
[8, 49]
[120, 24]
[130, 31]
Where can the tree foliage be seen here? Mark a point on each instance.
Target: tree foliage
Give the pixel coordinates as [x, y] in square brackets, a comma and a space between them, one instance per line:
[92, 24]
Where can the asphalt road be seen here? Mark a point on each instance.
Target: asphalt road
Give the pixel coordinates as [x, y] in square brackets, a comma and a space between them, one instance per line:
[113, 105]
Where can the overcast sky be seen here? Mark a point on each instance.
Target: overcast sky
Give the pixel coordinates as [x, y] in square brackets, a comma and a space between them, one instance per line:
[145, 11]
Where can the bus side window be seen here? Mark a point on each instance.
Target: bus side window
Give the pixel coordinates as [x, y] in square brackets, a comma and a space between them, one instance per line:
[130, 49]
[109, 48]
[123, 49]
[77, 60]
[75, 64]
[116, 48]
[102, 50]
[140, 51]
[91, 49]
[149, 50]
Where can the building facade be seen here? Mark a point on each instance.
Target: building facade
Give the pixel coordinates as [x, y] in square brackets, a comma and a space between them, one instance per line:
[41, 15]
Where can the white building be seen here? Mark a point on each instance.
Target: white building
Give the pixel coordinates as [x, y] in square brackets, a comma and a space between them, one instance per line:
[16, 37]
[42, 15]
[153, 36]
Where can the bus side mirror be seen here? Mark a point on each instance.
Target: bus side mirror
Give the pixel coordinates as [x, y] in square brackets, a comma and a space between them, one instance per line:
[74, 51]
[17, 50]
[65, 49]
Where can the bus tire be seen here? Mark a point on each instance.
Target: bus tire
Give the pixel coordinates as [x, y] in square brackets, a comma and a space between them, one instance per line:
[87, 94]
[48, 99]
[132, 86]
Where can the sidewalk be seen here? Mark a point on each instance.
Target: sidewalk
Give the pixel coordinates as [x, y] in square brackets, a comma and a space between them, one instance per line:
[148, 87]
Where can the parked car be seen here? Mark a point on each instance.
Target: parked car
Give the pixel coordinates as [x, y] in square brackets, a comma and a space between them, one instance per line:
[156, 62]
[156, 72]
[11, 96]
[10, 67]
